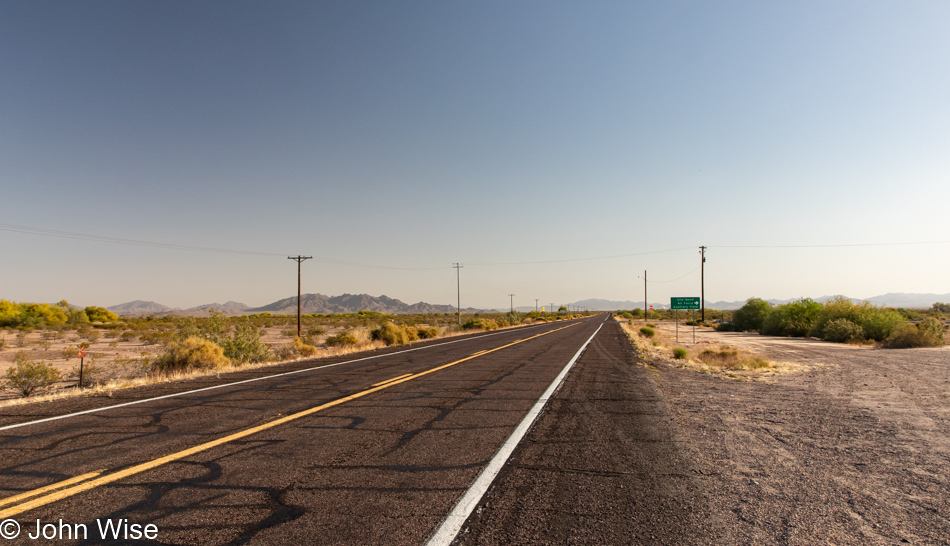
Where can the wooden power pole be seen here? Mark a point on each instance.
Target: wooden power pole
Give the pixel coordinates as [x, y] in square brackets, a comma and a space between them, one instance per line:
[299, 260]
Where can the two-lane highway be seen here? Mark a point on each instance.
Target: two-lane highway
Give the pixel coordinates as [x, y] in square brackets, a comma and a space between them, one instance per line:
[372, 450]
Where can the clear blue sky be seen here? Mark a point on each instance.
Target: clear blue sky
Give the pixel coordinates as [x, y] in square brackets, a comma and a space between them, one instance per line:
[418, 134]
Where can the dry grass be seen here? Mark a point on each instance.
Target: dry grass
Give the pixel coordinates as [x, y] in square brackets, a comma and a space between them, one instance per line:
[706, 356]
[128, 366]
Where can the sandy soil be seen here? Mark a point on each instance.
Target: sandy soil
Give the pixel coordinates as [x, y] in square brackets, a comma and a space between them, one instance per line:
[851, 448]
[115, 359]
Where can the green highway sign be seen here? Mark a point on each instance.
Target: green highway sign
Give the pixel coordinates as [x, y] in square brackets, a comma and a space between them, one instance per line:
[684, 303]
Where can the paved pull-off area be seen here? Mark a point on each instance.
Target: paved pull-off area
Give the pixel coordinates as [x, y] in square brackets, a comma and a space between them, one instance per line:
[380, 448]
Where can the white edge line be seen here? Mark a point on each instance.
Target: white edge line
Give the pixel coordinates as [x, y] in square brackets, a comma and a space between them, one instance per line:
[453, 523]
[173, 395]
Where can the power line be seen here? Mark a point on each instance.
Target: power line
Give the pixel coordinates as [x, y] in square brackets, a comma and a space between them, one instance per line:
[122, 241]
[678, 278]
[582, 259]
[334, 261]
[834, 246]
[153, 244]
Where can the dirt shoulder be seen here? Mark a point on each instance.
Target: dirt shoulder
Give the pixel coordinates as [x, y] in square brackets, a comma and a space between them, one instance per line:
[853, 448]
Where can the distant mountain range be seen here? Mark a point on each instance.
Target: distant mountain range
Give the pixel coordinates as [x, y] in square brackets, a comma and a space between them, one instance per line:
[352, 303]
[309, 303]
[348, 303]
[139, 307]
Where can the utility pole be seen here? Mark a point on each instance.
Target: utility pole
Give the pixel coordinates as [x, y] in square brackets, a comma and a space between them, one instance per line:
[512, 309]
[702, 283]
[458, 287]
[645, 306]
[299, 259]
[535, 305]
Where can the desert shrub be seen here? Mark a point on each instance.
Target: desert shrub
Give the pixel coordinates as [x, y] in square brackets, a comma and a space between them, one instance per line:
[928, 333]
[646, 331]
[430, 332]
[70, 352]
[878, 323]
[134, 366]
[92, 373]
[194, 353]
[394, 334]
[21, 339]
[153, 337]
[729, 357]
[837, 308]
[797, 318]
[27, 375]
[9, 313]
[315, 331]
[479, 324]
[285, 352]
[933, 326]
[31, 315]
[680, 353]
[912, 314]
[245, 345]
[290, 332]
[77, 317]
[100, 314]
[128, 335]
[92, 335]
[302, 348]
[754, 363]
[722, 357]
[341, 340]
[943, 308]
[751, 316]
[842, 330]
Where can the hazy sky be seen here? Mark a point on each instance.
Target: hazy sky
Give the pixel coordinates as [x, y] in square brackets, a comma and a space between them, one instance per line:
[555, 149]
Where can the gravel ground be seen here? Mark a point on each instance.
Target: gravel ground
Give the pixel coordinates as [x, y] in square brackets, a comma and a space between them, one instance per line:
[855, 450]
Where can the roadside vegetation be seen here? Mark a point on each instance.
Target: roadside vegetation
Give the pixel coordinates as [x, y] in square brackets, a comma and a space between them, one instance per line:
[127, 351]
[654, 343]
[841, 320]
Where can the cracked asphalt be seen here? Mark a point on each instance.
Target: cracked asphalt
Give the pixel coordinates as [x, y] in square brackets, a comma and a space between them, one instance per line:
[384, 468]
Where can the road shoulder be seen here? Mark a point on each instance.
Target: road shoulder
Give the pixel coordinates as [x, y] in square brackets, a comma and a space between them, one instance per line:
[604, 465]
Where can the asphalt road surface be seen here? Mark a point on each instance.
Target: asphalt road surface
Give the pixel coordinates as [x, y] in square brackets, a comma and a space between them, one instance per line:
[366, 450]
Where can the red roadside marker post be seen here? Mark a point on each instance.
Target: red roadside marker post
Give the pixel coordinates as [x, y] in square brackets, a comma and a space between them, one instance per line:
[82, 355]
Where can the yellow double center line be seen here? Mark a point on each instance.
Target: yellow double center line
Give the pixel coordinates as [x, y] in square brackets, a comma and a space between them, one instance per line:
[85, 482]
